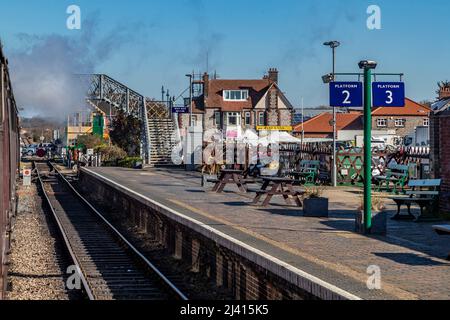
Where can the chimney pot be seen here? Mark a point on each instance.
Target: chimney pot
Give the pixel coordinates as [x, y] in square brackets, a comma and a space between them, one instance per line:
[273, 75]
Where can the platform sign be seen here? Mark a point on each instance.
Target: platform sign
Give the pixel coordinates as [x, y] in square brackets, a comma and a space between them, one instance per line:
[180, 109]
[27, 177]
[388, 94]
[346, 94]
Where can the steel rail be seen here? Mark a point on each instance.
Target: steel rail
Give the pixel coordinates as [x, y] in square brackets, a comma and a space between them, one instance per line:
[162, 279]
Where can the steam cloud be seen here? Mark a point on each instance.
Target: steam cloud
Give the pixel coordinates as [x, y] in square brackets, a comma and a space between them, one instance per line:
[44, 69]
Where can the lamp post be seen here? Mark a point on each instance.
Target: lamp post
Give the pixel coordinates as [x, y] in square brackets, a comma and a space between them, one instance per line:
[333, 45]
[367, 66]
[190, 98]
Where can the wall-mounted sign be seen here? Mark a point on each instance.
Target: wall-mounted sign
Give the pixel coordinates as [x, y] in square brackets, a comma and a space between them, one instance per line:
[180, 109]
[274, 128]
[346, 94]
[388, 94]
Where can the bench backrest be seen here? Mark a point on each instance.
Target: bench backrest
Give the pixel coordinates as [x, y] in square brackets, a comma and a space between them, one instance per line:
[425, 183]
[396, 170]
[424, 188]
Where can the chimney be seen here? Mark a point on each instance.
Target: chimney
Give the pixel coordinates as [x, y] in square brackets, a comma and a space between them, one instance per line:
[273, 75]
[205, 84]
[444, 91]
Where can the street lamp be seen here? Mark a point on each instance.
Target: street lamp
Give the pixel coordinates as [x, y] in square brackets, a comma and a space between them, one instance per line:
[190, 98]
[367, 66]
[329, 78]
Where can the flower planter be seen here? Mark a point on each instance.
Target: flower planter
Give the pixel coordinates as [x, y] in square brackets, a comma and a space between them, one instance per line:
[379, 223]
[206, 183]
[315, 207]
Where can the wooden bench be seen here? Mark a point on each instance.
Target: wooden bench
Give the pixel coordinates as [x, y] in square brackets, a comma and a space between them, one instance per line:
[397, 175]
[309, 171]
[443, 230]
[424, 193]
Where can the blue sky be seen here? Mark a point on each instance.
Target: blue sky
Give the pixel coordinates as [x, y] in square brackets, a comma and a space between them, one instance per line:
[160, 41]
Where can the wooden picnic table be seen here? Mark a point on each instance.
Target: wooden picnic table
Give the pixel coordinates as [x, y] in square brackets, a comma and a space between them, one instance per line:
[228, 176]
[273, 186]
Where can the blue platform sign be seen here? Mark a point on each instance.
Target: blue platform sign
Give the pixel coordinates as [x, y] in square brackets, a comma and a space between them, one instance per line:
[180, 109]
[388, 94]
[346, 94]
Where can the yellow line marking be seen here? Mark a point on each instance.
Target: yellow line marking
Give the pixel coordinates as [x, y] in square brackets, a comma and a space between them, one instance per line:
[337, 267]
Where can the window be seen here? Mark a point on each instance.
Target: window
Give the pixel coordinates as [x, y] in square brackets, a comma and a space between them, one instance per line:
[400, 123]
[261, 119]
[217, 118]
[233, 119]
[426, 122]
[381, 123]
[248, 118]
[235, 95]
[193, 121]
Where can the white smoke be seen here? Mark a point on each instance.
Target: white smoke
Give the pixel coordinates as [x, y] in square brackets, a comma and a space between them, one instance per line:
[45, 70]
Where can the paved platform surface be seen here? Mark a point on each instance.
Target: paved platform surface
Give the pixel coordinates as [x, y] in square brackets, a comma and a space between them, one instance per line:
[411, 257]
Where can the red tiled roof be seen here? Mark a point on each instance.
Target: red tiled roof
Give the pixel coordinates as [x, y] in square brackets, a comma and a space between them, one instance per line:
[411, 109]
[257, 89]
[322, 123]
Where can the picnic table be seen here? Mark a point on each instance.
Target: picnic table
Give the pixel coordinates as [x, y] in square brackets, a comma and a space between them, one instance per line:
[425, 194]
[273, 186]
[397, 175]
[229, 176]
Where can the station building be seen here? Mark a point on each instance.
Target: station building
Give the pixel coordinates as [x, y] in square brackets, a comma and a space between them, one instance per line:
[236, 105]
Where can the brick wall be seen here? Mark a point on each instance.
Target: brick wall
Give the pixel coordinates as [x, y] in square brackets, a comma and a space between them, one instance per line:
[444, 161]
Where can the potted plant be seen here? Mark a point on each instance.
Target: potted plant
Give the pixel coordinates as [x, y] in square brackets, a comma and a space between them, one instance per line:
[209, 174]
[379, 217]
[314, 205]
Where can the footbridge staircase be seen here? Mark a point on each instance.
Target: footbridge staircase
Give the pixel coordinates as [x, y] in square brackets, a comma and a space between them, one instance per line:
[159, 132]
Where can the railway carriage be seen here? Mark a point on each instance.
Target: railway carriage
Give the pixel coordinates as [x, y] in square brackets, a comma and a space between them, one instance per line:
[9, 163]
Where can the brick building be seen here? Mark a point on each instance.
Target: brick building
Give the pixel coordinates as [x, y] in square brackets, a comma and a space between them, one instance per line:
[236, 105]
[440, 144]
[403, 121]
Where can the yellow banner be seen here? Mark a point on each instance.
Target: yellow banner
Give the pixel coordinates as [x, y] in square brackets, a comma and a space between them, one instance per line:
[274, 128]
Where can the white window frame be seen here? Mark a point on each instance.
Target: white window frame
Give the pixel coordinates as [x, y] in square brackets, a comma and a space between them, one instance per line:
[248, 116]
[263, 123]
[218, 118]
[228, 93]
[426, 122]
[382, 123]
[400, 123]
[237, 115]
[194, 120]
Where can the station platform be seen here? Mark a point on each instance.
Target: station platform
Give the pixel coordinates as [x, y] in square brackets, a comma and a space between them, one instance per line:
[411, 258]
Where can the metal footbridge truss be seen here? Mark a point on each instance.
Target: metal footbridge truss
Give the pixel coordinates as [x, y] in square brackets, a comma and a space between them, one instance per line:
[109, 96]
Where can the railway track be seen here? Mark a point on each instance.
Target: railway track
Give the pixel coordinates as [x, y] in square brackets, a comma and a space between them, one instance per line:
[110, 268]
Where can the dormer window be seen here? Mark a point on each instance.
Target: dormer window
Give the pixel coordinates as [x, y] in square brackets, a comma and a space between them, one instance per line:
[235, 95]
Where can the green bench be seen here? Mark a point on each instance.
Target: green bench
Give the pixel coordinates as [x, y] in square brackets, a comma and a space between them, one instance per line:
[424, 193]
[309, 171]
[397, 175]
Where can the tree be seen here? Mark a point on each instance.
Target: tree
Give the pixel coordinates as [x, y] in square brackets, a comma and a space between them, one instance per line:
[126, 133]
[90, 141]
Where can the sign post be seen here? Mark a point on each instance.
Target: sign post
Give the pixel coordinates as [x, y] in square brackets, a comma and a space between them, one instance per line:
[27, 177]
[367, 149]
